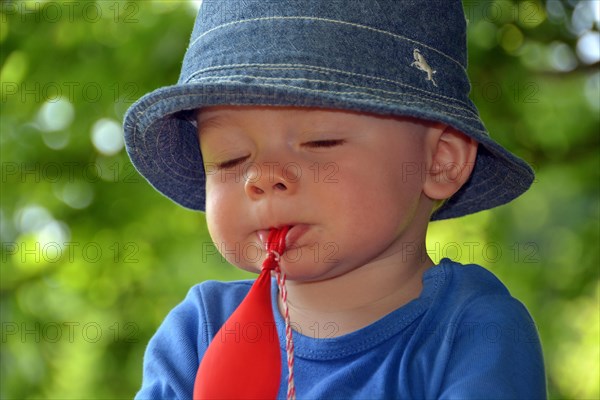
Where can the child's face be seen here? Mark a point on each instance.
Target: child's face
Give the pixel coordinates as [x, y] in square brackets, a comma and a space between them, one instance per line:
[349, 184]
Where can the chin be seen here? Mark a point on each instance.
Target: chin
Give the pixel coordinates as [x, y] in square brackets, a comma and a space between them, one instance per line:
[307, 272]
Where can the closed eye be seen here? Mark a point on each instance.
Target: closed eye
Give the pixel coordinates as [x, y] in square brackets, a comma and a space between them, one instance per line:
[231, 163]
[324, 143]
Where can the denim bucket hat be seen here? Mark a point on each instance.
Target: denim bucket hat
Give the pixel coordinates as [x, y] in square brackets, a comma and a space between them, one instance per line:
[389, 57]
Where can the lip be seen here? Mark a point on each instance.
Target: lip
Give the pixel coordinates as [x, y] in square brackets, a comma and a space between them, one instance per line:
[294, 234]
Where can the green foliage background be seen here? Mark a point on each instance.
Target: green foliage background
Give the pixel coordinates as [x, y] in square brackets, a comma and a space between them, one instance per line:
[92, 258]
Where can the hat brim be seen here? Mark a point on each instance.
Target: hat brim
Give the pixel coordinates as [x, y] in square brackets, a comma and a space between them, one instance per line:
[162, 141]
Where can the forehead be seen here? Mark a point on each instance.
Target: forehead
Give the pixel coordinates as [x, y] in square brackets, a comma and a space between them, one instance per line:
[229, 114]
[222, 116]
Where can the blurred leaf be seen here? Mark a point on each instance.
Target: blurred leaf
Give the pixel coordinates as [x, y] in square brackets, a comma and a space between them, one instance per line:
[93, 258]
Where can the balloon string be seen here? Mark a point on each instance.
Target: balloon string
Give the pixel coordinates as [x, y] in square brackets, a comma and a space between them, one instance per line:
[275, 247]
[289, 341]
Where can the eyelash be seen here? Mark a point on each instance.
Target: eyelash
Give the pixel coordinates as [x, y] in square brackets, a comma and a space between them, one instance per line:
[319, 144]
[325, 143]
[232, 163]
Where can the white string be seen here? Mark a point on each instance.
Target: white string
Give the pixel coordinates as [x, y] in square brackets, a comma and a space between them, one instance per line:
[289, 341]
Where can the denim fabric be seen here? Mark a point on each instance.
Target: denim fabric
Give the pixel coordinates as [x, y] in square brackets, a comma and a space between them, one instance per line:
[404, 58]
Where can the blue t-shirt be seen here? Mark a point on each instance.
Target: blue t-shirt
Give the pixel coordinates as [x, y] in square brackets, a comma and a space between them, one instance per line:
[464, 337]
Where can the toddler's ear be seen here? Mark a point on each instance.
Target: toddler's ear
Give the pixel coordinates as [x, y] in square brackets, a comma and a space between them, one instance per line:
[451, 160]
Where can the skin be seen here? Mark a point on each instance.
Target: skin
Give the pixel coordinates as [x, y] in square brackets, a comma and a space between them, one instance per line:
[357, 189]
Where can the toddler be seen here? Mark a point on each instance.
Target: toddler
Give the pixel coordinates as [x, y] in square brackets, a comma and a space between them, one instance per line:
[337, 129]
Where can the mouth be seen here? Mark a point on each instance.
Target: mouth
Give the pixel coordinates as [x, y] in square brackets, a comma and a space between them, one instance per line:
[294, 233]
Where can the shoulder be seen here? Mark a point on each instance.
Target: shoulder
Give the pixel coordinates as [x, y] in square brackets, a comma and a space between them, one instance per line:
[487, 337]
[206, 304]
[463, 287]
[471, 293]
[467, 280]
[215, 300]
[171, 358]
[219, 291]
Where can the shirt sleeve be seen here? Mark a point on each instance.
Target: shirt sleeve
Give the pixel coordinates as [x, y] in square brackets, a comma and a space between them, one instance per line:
[496, 353]
[172, 355]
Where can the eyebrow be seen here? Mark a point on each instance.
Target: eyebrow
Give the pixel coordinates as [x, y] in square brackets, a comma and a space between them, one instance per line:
[212, 122]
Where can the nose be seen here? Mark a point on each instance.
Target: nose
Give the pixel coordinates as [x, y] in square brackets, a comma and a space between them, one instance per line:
[269, 179]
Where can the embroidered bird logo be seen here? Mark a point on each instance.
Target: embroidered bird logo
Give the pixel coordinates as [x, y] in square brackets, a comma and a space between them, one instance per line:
[421, 64]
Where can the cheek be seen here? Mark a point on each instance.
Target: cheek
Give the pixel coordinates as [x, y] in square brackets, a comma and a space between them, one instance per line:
[406, 168]
[385, 192]
[225, 219]
[219, 218]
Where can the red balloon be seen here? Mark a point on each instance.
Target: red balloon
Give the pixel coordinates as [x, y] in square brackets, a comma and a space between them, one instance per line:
[243, 361]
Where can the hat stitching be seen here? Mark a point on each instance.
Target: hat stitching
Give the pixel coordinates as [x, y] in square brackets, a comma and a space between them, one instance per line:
[149, 107]
[338, 92]
[273, 18]
[499, 187]
[320, 69]
[171, 170]
[383, 99]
